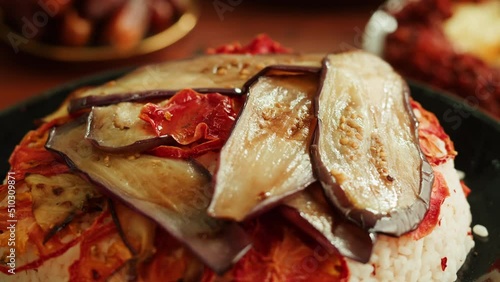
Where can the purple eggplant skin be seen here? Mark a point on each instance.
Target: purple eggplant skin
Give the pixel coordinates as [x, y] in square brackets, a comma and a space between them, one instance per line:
[79, 104]
[266, 157]
[382, 187]
[118, 129]
[174, 193]
[310, 212]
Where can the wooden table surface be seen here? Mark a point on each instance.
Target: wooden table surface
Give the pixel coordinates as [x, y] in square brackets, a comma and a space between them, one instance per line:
[306, 28]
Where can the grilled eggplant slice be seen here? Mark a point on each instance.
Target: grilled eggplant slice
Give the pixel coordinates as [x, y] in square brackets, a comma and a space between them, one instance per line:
[366, 152]
[174, 193]
[224, 74]
[57, 197]
[118, 128]
[310, 211]
[266, 157]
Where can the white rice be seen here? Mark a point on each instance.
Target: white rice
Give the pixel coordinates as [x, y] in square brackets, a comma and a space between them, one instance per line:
[404, 259]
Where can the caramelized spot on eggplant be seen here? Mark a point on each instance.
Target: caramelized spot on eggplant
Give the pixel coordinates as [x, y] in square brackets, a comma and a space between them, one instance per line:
[57, 191]
[55, 198]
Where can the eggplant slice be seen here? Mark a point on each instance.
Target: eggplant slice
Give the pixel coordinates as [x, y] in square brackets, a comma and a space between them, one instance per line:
[57, 197]
[266, 157]
[366, 152]
[118, 128]
[310, 211]
[224, 73]
[174, 193]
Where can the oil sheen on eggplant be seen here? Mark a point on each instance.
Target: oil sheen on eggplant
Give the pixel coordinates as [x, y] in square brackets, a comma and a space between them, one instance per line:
[174, 193]
[266, 157]
[118, 128]
[310, 211]
[366, 152]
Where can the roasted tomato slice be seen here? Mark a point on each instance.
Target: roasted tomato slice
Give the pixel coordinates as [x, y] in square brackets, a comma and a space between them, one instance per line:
[198, 122]
[440, 192]
[189, 116]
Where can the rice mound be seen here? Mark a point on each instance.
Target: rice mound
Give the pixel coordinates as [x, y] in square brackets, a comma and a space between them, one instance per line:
[406, 259]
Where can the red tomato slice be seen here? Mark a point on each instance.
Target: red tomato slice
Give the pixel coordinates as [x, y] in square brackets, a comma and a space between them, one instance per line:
[439, 193]
[189, 116]
[30, 156]
[430, 134]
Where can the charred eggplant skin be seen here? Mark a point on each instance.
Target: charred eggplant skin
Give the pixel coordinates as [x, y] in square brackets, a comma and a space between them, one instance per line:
[395, 222]
[173, 194]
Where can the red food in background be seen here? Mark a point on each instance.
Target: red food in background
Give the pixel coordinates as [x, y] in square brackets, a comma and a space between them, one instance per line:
[420, 50]
[262, 44]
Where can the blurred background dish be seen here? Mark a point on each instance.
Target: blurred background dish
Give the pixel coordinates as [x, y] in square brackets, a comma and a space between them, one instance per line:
[90, 30]
[312, 26]
[453, 45]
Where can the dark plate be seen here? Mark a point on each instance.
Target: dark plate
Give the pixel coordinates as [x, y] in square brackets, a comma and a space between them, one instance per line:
[476, 138]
